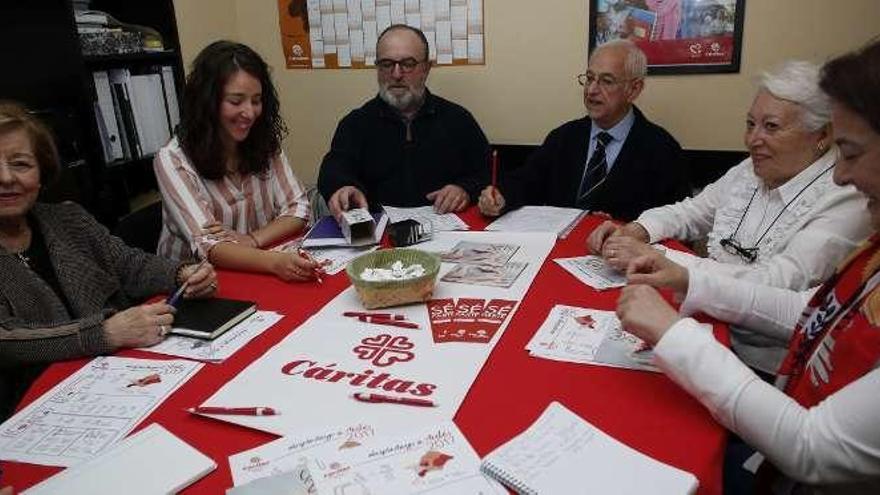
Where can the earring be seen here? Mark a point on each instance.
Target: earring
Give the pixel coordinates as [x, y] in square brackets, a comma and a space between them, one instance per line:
[820, 148]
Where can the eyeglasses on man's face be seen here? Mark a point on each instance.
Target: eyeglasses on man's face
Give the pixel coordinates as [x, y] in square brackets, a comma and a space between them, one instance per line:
[406, 65]
[605, 81]
[732, 246]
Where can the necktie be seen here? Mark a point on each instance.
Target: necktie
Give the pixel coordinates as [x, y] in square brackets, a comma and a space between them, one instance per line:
[596, 167]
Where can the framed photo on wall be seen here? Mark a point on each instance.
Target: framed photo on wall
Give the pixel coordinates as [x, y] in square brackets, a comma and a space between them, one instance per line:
[678, 36]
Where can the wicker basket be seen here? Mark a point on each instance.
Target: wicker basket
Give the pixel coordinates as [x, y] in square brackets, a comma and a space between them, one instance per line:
[395, 292]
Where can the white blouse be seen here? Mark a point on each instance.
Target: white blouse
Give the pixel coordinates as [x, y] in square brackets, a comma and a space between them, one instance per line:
[835, 444]
[820, 225]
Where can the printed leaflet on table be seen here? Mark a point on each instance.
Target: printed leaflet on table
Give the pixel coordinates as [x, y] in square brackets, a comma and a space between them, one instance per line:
[437, 460]
[91, 410]
[554, 219]
[593, 271]
[589, 336]
[425, 215]
[219, 349]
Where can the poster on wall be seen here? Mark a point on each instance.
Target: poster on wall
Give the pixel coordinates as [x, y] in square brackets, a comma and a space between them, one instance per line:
[678, 36]
[341, 34]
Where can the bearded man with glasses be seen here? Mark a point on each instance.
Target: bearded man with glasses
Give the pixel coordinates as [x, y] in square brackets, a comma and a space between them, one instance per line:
[405, 147]
[614, 160]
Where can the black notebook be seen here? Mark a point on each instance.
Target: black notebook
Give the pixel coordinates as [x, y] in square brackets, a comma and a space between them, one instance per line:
[208, 318]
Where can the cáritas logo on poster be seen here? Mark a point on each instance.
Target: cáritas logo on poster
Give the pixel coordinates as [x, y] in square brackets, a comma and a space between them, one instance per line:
[382, 351]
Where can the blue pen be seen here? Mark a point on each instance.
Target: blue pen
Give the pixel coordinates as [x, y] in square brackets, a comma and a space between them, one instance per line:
[173, 299]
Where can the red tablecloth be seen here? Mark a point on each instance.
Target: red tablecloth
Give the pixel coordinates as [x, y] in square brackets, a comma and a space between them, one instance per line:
[644, 410]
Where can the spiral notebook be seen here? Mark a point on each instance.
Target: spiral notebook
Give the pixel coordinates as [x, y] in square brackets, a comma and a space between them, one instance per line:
[562, 453]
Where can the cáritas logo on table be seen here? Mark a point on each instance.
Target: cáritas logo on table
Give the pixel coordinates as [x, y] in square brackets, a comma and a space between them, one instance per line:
[367, 378]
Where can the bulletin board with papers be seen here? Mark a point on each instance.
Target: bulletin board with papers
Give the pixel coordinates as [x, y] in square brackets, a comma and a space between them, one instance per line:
[339, 34]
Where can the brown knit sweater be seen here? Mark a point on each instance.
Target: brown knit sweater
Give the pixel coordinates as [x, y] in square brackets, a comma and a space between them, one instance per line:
[98, 274]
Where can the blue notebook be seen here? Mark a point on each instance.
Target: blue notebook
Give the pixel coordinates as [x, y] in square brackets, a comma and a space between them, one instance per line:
[326, 232]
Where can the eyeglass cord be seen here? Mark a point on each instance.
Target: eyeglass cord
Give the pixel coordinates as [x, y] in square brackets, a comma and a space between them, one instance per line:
[778, 215]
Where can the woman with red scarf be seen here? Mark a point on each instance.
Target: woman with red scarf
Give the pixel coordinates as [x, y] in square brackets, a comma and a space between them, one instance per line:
[818, 430]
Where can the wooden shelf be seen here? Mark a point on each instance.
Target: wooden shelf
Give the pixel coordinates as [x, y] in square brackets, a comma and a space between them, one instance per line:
[165, 56]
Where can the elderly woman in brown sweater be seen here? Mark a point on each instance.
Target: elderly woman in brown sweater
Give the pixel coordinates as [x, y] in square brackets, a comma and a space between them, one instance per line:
[69, 289]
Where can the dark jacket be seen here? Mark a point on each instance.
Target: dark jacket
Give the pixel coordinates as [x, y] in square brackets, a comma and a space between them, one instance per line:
[648, 171]
[98, 275]
[370, 151]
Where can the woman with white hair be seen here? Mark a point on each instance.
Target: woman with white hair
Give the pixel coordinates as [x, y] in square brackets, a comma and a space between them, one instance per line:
[777, 218]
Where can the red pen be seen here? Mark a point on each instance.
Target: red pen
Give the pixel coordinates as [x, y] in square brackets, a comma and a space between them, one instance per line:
[379, 398]
[386, 321]
[240, 411]
[386, 316]
[494, 172]
[305, 254]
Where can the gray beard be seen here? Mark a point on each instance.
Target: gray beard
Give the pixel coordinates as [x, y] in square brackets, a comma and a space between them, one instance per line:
[406, 102]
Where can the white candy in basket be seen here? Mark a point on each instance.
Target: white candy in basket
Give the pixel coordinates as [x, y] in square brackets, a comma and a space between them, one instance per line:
[396, 272]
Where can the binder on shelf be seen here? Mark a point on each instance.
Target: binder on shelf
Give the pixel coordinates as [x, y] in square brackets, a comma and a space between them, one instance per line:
[149, 112]
[120, 80]
[106, 116]
[169, 90]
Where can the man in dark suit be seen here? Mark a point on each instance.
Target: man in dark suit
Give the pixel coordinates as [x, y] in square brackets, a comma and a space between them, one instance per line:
[615, 160]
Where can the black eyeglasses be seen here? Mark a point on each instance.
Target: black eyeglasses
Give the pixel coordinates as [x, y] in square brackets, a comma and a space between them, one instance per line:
[406, 65]
[732, 246]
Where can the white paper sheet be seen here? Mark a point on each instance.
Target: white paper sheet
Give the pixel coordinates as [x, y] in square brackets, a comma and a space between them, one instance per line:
[538, 219]
[436, 460]
[221, 348]
[357, 45]
[383, 17]
[444, 42]
[593, 271]
[340, 27]
[428, 19]
[311, 375]
[290, 453]
[398, 12]
[475, 17]
[355, 15]
[368, 10]
[132, 467]
[426, 216]
[91, 410]
[459, 17]
[589, 336]
[459, 49]
[475, 49]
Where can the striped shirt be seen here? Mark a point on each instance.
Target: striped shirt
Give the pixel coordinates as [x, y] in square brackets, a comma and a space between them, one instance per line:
[189, 201]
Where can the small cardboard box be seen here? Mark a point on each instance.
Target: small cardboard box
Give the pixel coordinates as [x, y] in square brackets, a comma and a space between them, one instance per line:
[357, 224]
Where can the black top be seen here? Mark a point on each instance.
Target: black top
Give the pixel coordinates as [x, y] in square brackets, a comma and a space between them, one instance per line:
[648, 172]
[370, 151]
[36, 257]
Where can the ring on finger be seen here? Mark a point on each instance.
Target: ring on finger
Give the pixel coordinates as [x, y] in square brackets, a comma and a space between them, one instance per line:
[163, 330]
[213, 286]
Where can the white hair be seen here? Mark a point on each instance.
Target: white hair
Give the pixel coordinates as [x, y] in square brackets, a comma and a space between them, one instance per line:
[635, 64]
[797, 81]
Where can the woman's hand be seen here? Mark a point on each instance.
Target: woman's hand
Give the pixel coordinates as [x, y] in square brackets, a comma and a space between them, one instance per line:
[620, 250]
[608, 229]
[644, 313]
[139, 326]
[491, 202]
[657, 270]
[201, 280]
[293, 267]
[219, 232]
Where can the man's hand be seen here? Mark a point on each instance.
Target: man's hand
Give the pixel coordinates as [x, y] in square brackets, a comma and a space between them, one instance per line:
[449, 198]
[491, 202]
[644, 313]
[345, 198]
